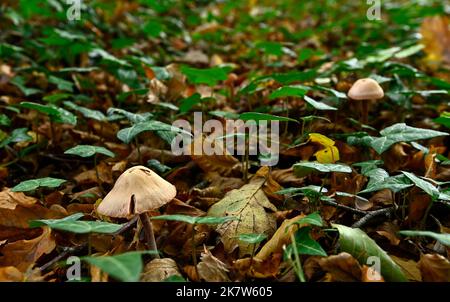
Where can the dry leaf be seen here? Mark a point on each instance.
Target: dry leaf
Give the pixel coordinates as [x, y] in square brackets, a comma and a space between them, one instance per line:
[436, 38]
[342, 267]
[212, 269]
[10, 274]
[267, 268]
[434, 268]
[287, 177]
[158, 270]
[24, 253]
[249, 204]
[281, 237]
[409, 267]
[225, 165]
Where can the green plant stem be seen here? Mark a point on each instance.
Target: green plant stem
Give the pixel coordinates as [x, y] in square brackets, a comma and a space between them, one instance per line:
[298, 266]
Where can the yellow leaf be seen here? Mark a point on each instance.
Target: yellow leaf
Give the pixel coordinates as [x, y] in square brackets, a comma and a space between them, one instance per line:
[329, 155]
[321, 139]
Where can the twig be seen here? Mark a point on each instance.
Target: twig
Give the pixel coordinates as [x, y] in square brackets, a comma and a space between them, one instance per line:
[373, 214]
[66, 251]
[126, 226]
[344, 207]
[70, 250]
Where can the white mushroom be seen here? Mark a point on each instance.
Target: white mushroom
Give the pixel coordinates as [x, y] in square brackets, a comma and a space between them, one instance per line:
[137, 191]
[365, 90]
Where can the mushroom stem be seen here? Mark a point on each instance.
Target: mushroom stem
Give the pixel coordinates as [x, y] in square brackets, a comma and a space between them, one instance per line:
[149, 235]
[365, 111]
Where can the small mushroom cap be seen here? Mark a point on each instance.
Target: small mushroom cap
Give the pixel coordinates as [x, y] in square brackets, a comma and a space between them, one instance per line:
[366, 89]
[136, 191]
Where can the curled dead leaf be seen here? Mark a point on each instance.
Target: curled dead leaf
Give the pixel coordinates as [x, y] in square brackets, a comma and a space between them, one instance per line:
[434, 268]
[342, 267]
[211, 269]
[24, 253]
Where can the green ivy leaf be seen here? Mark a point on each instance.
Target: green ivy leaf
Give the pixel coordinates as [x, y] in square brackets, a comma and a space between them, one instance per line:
[257, 116]
[401, 133]
[56, 114]
[304, 168]
[126, 135]
[33, 184]
[88, 151]
[252, 238]
[208, 76]
[424, 185]
[442, 238]
[73, 225]
[289, 91]
[126, 267]
[86, 112]
[195, 219]
[318, 105]
[361, 246]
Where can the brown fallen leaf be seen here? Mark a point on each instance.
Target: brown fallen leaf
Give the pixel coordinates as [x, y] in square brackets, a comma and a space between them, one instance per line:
[158, 270]
[97, 275]
[10, 200]
[211, 269]
[384, 197]
[397, 157]
[271, 186]
[24, 253]
[409, 267]
[90, 177]
[389, 230]
[287, 177]
[418, 205]
[261, 269]
[342, 267]
[434, 268]
[436, 38]
[252, 207]
[225, 165]
[281, 237]
[10, 274]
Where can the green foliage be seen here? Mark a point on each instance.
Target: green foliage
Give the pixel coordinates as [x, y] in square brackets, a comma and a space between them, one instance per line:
[88, 151]
[33, 184]
[442, 238]
[73, 225]
[304, 168]
[195, 219]
[56, 114]
[208, 76]
[126, 267]
[359, 245]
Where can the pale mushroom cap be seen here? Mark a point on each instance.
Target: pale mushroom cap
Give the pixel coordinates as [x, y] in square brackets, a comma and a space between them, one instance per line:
[150, 192]
[366, 89]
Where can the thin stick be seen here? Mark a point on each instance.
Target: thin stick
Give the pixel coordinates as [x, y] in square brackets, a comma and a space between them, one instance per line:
[149, 235]
[194, 251]
[66, 251]
[373, 214]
